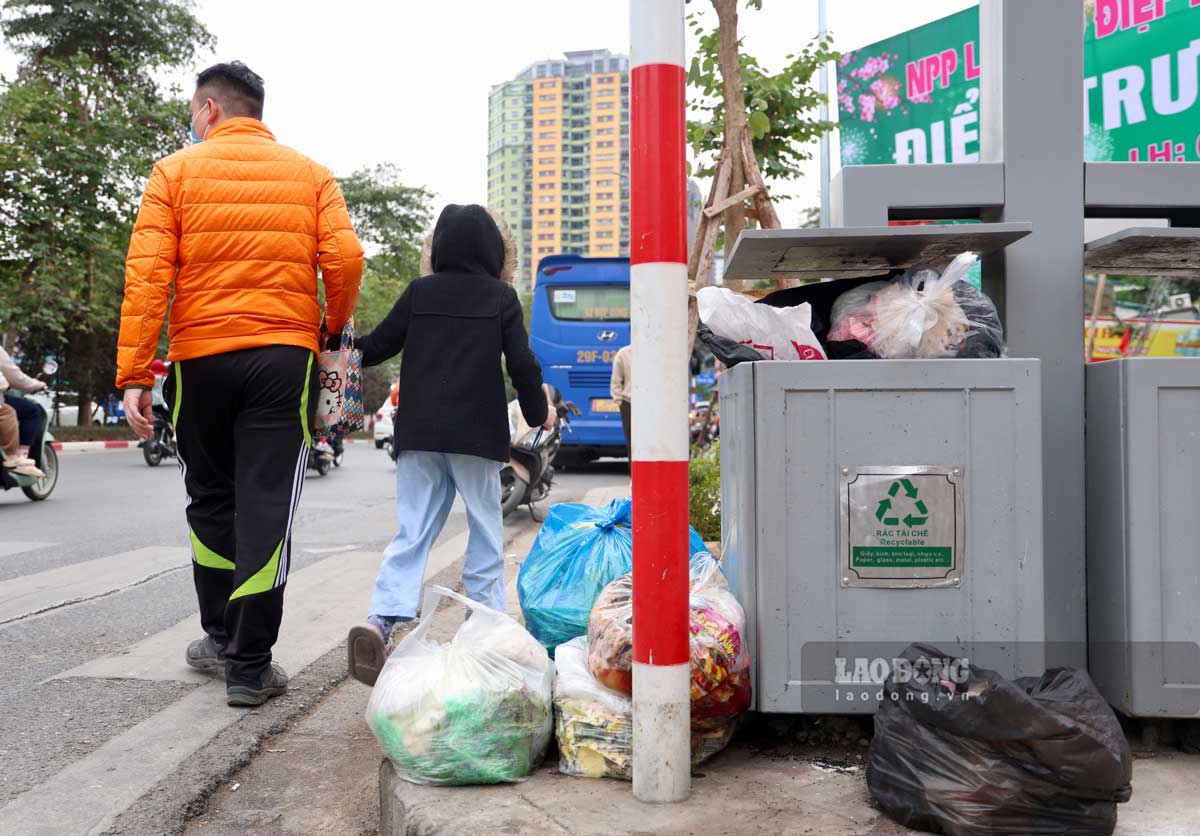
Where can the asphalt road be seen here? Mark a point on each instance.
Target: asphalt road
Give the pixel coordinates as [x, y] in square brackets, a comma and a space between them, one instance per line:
[97, 604]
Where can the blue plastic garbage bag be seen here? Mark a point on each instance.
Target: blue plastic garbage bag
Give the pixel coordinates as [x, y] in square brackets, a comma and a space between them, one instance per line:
[578, 552]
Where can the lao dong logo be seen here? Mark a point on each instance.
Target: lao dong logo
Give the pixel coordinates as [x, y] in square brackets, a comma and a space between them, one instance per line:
[866, 671]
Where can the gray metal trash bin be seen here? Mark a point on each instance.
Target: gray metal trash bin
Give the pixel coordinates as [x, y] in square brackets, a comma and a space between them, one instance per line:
[870, 504]
[1143, 544]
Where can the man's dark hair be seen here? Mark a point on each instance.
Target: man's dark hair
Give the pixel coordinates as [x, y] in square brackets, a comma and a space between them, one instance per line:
[237, 88]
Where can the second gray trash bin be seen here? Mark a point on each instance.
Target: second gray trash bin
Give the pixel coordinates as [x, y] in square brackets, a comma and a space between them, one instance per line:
[1143, 448]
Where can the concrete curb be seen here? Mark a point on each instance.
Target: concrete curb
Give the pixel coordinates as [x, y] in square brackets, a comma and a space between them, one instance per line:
[85, 446]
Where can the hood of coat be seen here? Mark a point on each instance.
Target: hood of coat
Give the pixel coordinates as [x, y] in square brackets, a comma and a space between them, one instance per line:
[470, 239]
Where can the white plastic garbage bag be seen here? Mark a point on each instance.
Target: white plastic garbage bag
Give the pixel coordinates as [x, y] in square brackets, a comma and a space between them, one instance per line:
[476, 710]
[776, 333]
[922, 323]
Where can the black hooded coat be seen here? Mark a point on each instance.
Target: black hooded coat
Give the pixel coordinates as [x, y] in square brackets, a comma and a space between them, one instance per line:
[453, 326]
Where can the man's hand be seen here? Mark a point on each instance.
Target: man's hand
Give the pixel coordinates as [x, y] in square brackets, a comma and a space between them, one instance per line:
[139, 412]
[551, 420]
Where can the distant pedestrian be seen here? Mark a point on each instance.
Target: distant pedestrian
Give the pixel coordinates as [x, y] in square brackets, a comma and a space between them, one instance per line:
[455, 326]
[621, 389]
[236, 226]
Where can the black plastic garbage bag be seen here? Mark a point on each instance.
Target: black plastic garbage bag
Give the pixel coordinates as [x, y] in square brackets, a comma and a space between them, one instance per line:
[729, 352]
[992, 757]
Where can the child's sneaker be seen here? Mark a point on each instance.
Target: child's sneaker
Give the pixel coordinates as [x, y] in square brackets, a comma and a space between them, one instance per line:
[366, 648]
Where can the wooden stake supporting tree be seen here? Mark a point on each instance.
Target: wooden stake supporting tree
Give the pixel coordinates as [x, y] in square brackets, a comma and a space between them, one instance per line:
[752, 106]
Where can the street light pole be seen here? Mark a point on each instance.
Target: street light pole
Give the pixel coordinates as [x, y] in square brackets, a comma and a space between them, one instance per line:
[659, 321]
[823, 81]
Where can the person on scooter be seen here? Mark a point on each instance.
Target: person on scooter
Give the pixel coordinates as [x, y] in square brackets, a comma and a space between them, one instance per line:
[455, 326]
[10, 441]
[30, 415]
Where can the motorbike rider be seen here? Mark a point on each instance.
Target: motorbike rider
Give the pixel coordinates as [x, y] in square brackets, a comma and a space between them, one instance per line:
[454, 326]
[30, 415]
[9, 441]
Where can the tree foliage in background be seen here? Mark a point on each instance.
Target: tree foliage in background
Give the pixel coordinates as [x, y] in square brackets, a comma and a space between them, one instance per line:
[390, 219]
[704, 492]
[781, 108]
[82, 123]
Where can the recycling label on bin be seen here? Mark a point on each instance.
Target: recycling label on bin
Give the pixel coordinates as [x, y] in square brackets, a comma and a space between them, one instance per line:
[902, 527]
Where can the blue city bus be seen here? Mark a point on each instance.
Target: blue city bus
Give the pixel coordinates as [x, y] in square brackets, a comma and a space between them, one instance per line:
[580, 320]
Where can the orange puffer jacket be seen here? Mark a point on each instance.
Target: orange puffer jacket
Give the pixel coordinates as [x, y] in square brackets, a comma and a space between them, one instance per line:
[239, 224]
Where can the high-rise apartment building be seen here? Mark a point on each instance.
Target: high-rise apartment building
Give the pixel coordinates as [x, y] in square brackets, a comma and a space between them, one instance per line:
[558, 157]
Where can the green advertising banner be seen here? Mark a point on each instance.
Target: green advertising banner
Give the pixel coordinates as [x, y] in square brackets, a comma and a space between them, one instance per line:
[914, 98]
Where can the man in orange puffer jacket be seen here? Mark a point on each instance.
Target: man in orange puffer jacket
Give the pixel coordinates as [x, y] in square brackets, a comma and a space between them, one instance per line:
[237, 226]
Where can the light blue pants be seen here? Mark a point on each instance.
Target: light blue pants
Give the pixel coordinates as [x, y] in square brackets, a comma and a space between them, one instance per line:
[425, 487]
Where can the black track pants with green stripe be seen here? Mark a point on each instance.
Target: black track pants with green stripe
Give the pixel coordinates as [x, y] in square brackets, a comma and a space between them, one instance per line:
[242, 422]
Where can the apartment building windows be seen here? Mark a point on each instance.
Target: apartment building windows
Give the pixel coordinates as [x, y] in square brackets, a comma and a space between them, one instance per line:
[563, 118]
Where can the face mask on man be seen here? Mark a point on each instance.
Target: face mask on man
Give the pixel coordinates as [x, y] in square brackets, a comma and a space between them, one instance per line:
[192, 125]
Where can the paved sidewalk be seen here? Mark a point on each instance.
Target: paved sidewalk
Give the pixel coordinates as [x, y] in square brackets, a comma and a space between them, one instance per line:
[744, 791]
[321, 776]
[324, 777]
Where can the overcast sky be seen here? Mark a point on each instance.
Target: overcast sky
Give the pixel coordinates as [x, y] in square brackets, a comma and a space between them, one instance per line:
[359, 82]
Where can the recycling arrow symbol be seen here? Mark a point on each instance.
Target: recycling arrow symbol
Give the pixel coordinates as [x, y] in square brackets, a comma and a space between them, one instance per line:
[910, 519]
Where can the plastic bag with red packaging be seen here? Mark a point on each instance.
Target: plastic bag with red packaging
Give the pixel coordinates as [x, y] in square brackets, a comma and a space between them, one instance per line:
[720, 662]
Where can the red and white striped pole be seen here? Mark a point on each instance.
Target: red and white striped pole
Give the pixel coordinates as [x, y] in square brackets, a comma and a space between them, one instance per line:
[659, 302]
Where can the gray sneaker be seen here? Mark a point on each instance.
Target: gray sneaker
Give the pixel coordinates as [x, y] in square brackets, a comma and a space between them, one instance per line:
[273, 684]
[205, 655]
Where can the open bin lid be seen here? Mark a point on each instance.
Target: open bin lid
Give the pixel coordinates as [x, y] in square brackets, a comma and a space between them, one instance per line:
[838, 252]
[1146, 251]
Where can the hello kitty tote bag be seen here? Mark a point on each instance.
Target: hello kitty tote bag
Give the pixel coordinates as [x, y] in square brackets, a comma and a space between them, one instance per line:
[339, 393]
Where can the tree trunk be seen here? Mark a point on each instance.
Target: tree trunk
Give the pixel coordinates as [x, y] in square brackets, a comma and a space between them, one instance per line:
[735, 114]
[700, 263]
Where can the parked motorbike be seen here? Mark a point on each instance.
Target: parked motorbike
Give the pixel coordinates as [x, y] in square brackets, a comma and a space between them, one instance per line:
[162, 444]
[389, 444]
[528, 475]
[43, 454]
[339, 449]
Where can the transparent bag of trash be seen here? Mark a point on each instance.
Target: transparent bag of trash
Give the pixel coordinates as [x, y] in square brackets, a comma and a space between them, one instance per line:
[921, 314]
[475, 710]
[593, 724]
[720, 662]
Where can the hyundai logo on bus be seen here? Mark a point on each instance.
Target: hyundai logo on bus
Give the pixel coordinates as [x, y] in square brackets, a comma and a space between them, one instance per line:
[606, 336]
